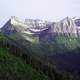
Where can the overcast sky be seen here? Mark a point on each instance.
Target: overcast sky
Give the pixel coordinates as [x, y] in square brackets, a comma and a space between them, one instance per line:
[52, 10]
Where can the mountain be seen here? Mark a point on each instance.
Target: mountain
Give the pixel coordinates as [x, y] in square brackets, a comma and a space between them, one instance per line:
[77, 22]
[38, 35]
[14, 68]
[65, 27]
[30, 29]
[45, 39]
[35, 30]
[43, 33]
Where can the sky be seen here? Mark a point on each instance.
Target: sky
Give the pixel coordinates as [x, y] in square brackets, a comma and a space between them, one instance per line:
[51, 10]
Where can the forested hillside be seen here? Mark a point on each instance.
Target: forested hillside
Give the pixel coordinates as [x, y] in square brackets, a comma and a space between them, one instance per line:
[12, 68]
[15, 66]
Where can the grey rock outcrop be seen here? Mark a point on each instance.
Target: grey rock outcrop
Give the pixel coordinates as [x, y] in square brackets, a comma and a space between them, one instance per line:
[32, 30]
[65, 27]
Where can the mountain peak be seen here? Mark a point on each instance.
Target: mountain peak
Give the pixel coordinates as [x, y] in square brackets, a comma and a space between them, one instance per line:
[32, 27]
[76, 17]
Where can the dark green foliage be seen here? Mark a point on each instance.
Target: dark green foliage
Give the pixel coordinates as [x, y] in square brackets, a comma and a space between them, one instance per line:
[12, 68]
[26, 67]
[69, 43]
[59, 44]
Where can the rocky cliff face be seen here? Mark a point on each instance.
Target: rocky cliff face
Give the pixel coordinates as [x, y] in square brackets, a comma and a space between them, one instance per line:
[77, 23]
[39, 24]
[65, 27]
[39, 28]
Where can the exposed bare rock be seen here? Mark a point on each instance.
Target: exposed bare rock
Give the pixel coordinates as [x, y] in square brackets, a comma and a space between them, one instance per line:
[65, 26]
[44, 29]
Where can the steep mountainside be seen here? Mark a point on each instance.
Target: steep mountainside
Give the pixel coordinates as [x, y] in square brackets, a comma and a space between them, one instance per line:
[12, 68]
[46, 39]
[38, 35]
[66, 27]
[15, 68]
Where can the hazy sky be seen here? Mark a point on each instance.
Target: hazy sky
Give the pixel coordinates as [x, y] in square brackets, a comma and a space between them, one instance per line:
[52, 10]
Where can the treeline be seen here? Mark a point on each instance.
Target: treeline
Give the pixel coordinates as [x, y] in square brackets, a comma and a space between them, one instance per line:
[50, 70]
